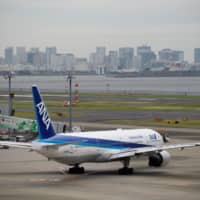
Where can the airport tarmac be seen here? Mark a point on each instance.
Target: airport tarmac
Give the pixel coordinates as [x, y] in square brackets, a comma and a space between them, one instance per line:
[27, 175]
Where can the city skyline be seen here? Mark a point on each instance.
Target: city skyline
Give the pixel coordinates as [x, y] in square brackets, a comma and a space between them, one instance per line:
[102, 60]
[107, 50]
[79, 26]
[18, 51]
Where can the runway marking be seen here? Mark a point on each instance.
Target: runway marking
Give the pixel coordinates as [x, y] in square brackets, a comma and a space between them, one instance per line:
[43, 180]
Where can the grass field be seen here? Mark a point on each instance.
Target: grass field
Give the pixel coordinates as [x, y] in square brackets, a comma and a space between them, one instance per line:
[112, 105]
[150, 106]
[24, 108]
[189, 123]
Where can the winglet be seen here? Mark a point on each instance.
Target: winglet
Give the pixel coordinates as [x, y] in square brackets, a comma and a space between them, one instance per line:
[45, 127]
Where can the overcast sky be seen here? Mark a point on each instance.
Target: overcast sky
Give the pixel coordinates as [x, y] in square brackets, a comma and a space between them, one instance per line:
[78, 26]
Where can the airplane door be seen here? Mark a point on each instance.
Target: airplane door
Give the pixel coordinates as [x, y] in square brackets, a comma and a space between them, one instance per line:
[73, 148]
[97, 145]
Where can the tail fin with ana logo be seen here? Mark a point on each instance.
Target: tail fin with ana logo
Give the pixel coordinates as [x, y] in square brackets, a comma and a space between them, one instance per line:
[45, 127]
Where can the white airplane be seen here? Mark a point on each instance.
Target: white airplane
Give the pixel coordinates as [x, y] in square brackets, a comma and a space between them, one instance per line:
[99, 146]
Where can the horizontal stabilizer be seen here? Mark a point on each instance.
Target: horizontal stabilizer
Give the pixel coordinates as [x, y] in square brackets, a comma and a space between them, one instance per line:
[17, 144]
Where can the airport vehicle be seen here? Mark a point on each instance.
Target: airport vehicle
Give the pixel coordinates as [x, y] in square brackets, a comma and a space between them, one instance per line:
[99, 146]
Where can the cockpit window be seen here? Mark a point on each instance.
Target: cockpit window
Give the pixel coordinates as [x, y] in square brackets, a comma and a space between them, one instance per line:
[153, 136]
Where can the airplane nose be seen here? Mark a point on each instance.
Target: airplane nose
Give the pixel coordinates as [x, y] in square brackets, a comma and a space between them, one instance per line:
[166, 138]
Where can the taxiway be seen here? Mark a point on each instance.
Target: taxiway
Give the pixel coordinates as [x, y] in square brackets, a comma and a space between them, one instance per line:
[27, 175]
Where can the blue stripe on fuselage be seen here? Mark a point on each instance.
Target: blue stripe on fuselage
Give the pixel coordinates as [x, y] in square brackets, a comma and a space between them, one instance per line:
[95, 142]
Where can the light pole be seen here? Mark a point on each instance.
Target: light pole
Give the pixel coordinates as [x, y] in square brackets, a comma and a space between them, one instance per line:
[69, 79]
[9, 75]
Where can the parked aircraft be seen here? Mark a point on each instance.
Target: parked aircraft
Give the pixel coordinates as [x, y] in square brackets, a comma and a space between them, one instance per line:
[97, 146]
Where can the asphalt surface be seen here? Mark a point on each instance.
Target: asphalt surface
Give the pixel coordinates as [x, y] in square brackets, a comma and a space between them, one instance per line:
[104, 115]
[27, 175]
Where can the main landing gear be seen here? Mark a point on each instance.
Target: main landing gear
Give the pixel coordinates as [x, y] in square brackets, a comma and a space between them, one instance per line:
[123, 171]
[126, 170]
[76, 170]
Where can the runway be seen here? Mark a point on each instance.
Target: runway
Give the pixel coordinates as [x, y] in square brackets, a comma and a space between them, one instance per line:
[27, 175]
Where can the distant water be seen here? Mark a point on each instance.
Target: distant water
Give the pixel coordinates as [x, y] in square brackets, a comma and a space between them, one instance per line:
[174, 85]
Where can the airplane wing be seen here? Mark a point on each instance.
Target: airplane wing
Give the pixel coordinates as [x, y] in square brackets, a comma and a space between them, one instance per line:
[17, 144]
[146, 150]
[26, 145]
[55, 145]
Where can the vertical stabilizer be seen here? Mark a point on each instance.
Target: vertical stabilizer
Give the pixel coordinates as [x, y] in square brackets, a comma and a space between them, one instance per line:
[45, 127]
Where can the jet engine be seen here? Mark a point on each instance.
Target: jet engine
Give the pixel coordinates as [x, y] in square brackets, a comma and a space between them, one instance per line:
[159, 159]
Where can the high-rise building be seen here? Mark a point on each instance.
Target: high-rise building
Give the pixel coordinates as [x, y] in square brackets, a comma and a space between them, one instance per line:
[113, 60]
[50, 51]
[21, 56]
[197, 55]
[69, 61]
[97, 60]
[34, 50]
[180, 55]
[81, 64]
[169, 55]
[143, 49]
[57, 62]
[30, 57]
[35, 57]
[137, 62]
[100, 55]
[62, 62]
[2, 61]
[9, 57]
[92, 62]
[126, 55]
[39, 59]
[146, 57]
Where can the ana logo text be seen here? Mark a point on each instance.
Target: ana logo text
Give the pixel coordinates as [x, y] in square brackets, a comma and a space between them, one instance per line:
[42, 111]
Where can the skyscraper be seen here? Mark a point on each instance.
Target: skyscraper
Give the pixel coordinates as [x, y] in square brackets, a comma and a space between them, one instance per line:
[126, 55]
[49, 52]
[92, 62]
[69, 61]
[30, 58]
[146, 56]
[21, 56]
[100, 55]
[9, 57]
[39, 59]
[113, 60]
[197, 55]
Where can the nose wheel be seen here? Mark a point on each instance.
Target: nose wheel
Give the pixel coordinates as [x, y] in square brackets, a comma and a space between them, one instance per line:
[126, 170]
[76, 170]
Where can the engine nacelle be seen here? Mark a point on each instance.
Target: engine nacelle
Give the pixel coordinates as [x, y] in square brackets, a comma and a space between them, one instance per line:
[159, 159]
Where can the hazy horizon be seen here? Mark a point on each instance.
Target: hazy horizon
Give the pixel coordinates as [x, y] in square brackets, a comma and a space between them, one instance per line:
[79, 26]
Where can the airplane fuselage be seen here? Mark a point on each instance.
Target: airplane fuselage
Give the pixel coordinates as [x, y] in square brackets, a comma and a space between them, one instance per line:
[95, 146]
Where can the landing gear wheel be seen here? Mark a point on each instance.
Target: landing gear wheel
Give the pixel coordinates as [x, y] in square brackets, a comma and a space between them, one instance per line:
[125, 171]
[76, 170]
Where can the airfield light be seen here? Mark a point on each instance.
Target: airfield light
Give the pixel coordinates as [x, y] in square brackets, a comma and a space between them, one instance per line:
[69, 79]
[9, 75]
